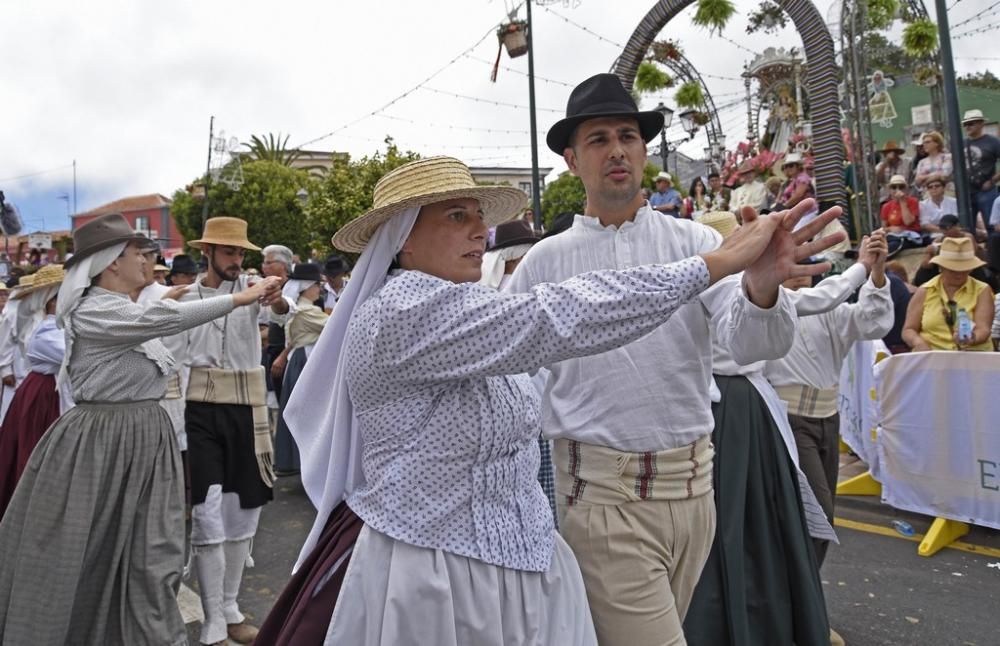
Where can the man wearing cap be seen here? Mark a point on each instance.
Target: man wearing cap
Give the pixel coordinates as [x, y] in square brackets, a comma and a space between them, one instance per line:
[894, 162]
[183, 271]
[751, 191]
[632, 426]
[229, 440]
[665, 198]
[982, 152]
[335, 269]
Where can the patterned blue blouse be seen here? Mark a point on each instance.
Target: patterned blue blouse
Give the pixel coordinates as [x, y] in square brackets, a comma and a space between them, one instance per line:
[448, 421]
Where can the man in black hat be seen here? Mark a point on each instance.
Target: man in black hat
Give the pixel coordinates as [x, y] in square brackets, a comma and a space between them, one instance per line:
[335, 269]
[183, 271]
[642, 534]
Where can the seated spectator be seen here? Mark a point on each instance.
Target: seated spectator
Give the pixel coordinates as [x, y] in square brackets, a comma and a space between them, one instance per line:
[697, 202]
[949, 227]
[934, 311]
[665, 199]
[901, 213]
[936, 205]
[936, 163]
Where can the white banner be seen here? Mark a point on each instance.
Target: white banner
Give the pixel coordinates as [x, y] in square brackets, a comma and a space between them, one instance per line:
[858, 410]
[939, 445]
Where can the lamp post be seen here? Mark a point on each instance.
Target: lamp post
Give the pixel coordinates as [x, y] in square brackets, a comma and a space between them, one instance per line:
[668, 118]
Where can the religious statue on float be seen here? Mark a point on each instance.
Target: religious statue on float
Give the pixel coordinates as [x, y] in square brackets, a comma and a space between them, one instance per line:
[781, 121]
[881, 109]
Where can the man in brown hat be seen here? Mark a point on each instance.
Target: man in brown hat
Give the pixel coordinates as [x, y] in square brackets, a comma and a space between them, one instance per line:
[229, 443]
[751, 191]
[894, 162]
[632, 426]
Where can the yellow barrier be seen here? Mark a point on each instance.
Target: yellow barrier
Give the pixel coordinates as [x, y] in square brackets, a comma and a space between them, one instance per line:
[943, 532]
[861, 485]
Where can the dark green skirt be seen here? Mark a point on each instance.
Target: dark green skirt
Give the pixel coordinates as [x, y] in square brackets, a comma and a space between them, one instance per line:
[760, 585]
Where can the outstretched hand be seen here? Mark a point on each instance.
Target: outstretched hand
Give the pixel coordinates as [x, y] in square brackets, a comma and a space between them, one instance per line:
[780, 259]
[175, 292]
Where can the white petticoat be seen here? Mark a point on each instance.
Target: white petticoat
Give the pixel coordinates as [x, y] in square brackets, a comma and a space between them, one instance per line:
[398, 594]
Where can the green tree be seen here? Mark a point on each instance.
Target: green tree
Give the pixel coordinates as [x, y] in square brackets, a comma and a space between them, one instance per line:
[346, 191]
[885, 55]
[268, 200]
[986, 80]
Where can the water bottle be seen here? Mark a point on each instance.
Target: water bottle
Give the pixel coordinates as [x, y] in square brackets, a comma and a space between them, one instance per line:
[964, 326]
[903, 527]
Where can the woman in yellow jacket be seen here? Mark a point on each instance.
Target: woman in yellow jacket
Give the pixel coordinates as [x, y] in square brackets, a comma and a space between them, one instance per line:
[932, 319]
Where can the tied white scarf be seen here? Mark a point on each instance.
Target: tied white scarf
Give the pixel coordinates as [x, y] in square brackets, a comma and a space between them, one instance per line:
[321, 418]
[495, 262]
[78, 278]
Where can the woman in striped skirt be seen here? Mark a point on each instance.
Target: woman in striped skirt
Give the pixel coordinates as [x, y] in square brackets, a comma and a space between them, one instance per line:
[93, 540]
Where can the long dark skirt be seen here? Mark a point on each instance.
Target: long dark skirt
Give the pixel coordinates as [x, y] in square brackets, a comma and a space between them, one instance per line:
[301, 615]
[286, 452]
[33, 410]
[760, 585]
[92, 545]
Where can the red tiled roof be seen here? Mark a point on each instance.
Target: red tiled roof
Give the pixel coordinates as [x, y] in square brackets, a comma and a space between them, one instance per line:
[126, 204]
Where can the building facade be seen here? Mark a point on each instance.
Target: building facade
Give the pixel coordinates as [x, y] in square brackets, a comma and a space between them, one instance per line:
[148, 214]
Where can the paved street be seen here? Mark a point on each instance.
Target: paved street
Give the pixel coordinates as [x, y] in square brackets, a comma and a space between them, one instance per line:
[879, 591]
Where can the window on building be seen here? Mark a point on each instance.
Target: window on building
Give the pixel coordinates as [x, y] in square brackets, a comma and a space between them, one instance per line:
[142, 223]
[526, 187]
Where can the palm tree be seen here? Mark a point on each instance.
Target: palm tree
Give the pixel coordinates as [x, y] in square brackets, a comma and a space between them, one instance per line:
[271, 148]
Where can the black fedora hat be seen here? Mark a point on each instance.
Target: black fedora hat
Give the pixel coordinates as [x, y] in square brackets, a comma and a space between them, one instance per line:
[306, 271]
[513, 233]
[600, 96]
[336, 265]
[183, 265]
[99, 234]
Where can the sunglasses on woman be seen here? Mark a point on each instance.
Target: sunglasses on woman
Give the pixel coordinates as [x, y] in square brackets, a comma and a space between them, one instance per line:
[899, 187]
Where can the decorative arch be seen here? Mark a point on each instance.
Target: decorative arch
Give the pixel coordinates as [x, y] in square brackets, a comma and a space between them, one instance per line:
[821, 83]
[684, 71]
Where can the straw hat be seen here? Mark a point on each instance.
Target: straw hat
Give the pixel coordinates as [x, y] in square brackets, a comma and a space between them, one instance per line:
[724, 222]
[47, 276]
[892, 147]
[227, 232]
[424, 182]
[972, 116]
[792, 158]
[896, 180]
[159, 267]
[957, 254]
[663, 177]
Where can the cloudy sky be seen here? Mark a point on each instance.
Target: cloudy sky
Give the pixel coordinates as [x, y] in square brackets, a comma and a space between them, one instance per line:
[126, 87]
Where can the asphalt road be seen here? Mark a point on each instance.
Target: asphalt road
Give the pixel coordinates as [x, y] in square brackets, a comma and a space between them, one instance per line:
[880, 592]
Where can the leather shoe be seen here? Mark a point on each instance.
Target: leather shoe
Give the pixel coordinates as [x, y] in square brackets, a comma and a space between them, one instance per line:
[242, 633]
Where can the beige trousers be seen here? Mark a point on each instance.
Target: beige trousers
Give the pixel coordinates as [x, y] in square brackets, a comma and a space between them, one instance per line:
[641, 527]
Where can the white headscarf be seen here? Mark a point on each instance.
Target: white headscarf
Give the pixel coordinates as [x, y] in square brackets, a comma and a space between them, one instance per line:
[495, 262]
[321, 418]
[75, 283]
[293, 288]
[30, 313]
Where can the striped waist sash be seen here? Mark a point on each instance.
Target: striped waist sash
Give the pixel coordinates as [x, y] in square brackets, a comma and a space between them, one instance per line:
[806, 401]
[602, 475]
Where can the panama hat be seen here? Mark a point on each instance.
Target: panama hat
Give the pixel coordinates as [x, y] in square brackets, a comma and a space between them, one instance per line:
[957, 254]
[663, 177]
[99, 234]
[722, 221]
[226, 232]
[598, 97]
[972, 116]
[47, 276]
[424, 182]
[792, 158]
[896, 180]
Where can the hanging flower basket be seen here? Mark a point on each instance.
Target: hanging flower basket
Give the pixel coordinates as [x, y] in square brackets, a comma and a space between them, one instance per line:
[514, 37]
[700, 118]
[768, 18]
[690, 95]
[714, 14]
[666, 50]
[920, 38]
[881, 13]
[650, 78]
[926, 76]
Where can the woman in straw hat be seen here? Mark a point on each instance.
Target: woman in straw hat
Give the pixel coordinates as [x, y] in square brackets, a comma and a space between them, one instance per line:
[932, 318]
[423, 462]
[37, 403]
[92, 542]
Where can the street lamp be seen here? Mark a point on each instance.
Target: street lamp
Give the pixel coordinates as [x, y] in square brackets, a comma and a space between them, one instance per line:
[687, 121]
[668, 118]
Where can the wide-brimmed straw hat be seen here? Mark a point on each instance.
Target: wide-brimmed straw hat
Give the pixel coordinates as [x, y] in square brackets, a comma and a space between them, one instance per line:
[957, 254]
[99, 234]
[423, 182]
[722, 221]
[225, 232]
[600, 96]
[47, 276]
